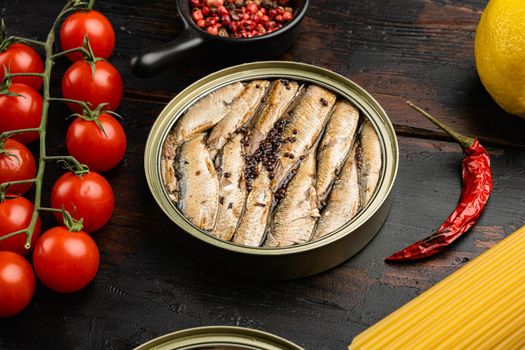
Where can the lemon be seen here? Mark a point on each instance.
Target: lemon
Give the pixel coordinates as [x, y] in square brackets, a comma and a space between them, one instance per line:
[500, 53]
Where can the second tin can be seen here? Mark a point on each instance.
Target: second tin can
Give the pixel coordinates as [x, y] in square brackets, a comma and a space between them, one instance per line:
[288, 262]
[219, 338]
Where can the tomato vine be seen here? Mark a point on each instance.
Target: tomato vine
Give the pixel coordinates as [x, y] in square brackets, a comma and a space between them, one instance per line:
[73, 164]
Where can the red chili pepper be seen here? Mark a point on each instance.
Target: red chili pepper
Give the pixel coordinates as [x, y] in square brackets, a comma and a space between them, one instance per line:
[477, 185]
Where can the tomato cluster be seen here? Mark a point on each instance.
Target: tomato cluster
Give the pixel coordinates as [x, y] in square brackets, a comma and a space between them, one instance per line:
[65, 258]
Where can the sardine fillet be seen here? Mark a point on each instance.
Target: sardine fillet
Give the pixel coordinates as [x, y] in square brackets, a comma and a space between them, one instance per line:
[343, 201]
[370, 161]
[232, 188]
[304, 126]
[167, 167]
[205, 113]
[252, 226]
[241, 111]
[278, 100]
[337, 140]
[198, 189]
[295, 217]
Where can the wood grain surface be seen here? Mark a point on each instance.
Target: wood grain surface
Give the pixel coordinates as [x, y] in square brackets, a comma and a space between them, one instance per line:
[420, 50]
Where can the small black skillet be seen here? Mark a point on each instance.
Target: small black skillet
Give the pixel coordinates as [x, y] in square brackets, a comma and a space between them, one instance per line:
[194, 43]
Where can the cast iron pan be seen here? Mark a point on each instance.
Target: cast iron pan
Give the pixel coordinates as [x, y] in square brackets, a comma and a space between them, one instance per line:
[194, 42]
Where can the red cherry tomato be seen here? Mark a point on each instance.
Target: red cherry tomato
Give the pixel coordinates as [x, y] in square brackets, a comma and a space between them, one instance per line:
[89, 197]
[91, 146]
[15, 215]
[65, 261]
[106, 87]
[17, 284]
[98, 29]
[16, 163]
[21, 112]
[20, 58]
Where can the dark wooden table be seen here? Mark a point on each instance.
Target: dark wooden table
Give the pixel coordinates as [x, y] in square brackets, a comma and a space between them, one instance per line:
[397, 49]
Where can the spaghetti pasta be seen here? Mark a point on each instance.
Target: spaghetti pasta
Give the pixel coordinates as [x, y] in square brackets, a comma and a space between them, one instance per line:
[479, 307]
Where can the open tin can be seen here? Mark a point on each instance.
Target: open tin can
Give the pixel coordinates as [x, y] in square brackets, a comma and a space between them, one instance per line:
[287, 262]
[219, 338]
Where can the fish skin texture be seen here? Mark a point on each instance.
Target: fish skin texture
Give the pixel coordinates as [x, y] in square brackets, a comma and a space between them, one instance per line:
[198, 190]
[370, 161]
[232, 188]
[167, 168]
[205, 113]
[343, 201]
[338, 138]
[295, 216]
[305, 124]
[279, 98]
[252, 226]
[241, 111]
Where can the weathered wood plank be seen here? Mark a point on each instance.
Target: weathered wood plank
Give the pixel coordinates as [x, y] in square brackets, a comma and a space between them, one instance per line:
[147, 287]
[417, 49]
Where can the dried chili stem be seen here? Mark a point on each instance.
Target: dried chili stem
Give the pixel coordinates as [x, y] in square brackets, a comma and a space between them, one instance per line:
[463, 140]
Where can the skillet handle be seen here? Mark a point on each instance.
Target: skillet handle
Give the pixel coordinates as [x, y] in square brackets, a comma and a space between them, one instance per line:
[152, 63]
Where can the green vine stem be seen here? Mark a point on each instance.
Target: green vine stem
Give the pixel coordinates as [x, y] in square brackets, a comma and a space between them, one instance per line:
[6, 41]
[7, 134]
[71, 5]
[83, 104]
[5, 186]
[76, 49]
[71, 164]
[13, 75]
[90, 114]
[71, 224]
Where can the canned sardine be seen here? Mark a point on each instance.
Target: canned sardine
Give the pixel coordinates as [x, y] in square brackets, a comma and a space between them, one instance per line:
[280, 169]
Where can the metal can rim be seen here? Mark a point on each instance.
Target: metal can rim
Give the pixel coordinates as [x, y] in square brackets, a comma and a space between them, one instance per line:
[244, 338]
[272, 69]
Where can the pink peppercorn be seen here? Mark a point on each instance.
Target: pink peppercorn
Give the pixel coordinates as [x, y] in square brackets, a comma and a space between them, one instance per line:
[215, 3]
[197, 15]
[201, 23]
[252, 8]
[287, 16]
[241, 18]
[213, 30]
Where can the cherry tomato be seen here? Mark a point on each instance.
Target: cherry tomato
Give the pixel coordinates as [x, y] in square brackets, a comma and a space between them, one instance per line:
[21, 112]
[17, 284]
[15, 215]
[89, 197]
[65, 261]
[98, 29]
[16, 163]
[106, 87]
[20, 58]
[91, 146]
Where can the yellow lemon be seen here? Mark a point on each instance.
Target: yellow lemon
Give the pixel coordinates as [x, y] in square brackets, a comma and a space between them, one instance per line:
[500, 53]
